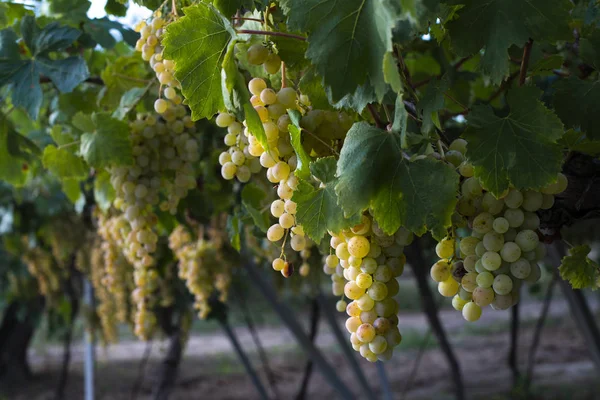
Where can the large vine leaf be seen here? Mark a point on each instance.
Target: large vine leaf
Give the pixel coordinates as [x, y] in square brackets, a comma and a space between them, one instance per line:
[24, 74]
[373, 172]
[432, 102]
[64, 164]
[519, 148]
[347, 40]
[302, 169]
[579, 270]
[577, 103]
[317, 209]
[499, 24]
[108, 144]
[11, 163]
[198, 43]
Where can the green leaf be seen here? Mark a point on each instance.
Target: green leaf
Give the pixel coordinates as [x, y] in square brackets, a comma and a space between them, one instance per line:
[234, 227]
[99, 30]
[519, 148]
[255, 125]
[390, 72]
[11, 165]
[373, 172]
[129, 100]
[24, 74]
[546, 64]
[108, 144]
[589, 49]
[302, 170]
[61, 135]
[104, 193]
[400, 121]
[83, 122]
[117, 78]
[114, 7]
[577, 141]
[229, 7]
[311, 84]
[198, 43]
[318, 209]
[347, 40]
[499, 24]
[71, 189]
[8, 44]
[579, 270]
[432, 102]
[72, 8]
[356, 101]
[253, 199]
[63, 163]
[577, 103]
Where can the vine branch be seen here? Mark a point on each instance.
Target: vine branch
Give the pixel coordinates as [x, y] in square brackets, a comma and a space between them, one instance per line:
[270, 33]
[375, 116]
[525, 62]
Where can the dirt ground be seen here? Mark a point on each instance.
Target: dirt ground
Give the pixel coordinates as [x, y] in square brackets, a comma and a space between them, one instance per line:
[210, 370]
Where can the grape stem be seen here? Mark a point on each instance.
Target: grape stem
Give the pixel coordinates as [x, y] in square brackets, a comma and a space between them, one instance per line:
[375, 116]
[525, 62]
[247, 19]
[283, 75]
[174, 8]
[269, 33]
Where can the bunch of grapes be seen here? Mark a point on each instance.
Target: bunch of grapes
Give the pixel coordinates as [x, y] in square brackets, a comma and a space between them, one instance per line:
[364, 269]
[236, 161]
[502, 249]
[42, 266]
[109, 275]
[117, 231]
[201, 266]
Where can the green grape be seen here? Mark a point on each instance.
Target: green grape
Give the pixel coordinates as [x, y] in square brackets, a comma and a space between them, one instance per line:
[527, 240]
[365, 333]
[502, 302]
[520, 269]
[228, 170]
[471, 188]
[532, 200]
[386, 308]
[531, 221]
[469, 281]
[458, 303]
[440, 271]
[491, 204]
[535, 273]
[466, 169]
[510, 252]
[502, 284]
[278, 264]
[393, 287]
[459, 145]
[277, 210]
[491, 260]
[557, 187]
[515, 217]
[359, 246]
[378, 291]
[256, 86]
[275, 233]
[341, 251]
[353, 291]
[547, 201]
[383, 273]
[501, 225]
[369, 265]
[286, 220]
[483, 223]
[454, 157]
[513, 199]
[287, 97]
[493, 241]
[272, 64]
[365, 302]
[448, 288]
[364, 281]
[445, 248]
[471, 312]
[160, 106]
[485, 279]
[298, 243]
[468, 245]
[483, 297]
[378, 345]
[469, 263]
[352, 324]
[257, 54]
[268, 96]
[480, 249]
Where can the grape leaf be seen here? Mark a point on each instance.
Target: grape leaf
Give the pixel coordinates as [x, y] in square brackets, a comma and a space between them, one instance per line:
[253, 199]
[114, 7]
[198, 43]
[432, 102]
[11, 165]
[577, 141]
[24, 74]
[71, 189]
[234, 227]
[63, 163]
[499, 24]
[117, 79]
[108, 144]
[104, 192]
[311, 84]
[229, 7]
[356, 101]
[519, 148]
[577, 103]
[303, 167]
[373, 172]
[129, 100]
[390, 72]
[317, 209]
[589, 49]
[99, 30]
[578, 269]
[347, 40]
